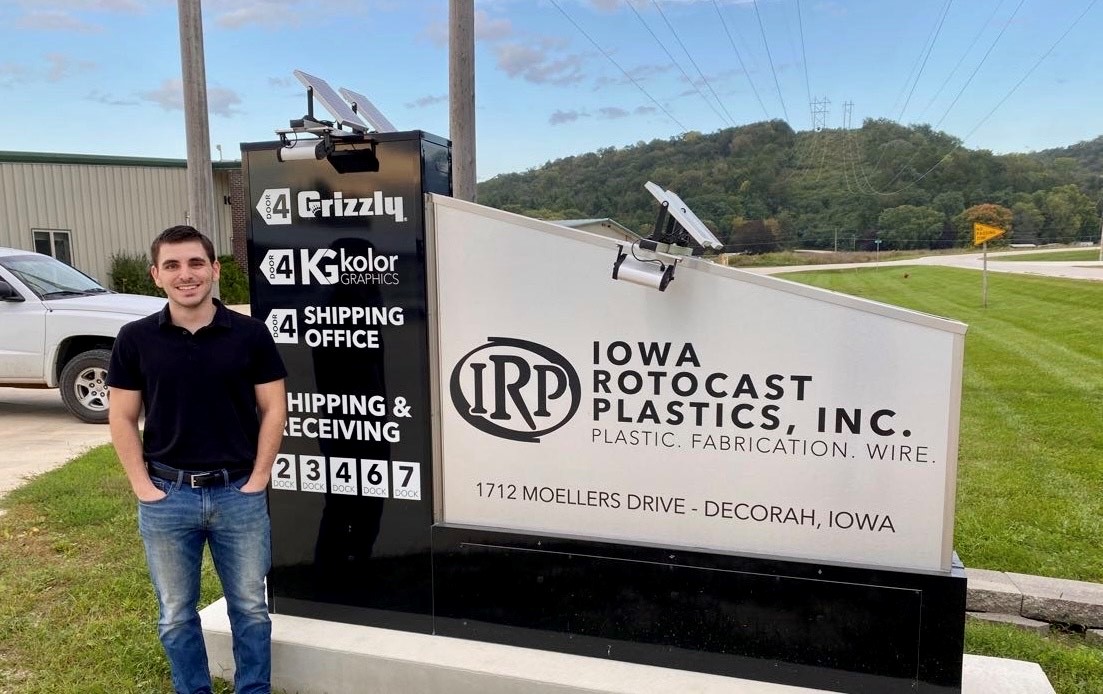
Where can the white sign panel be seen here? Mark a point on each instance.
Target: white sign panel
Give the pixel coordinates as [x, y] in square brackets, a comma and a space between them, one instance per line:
[731, 412]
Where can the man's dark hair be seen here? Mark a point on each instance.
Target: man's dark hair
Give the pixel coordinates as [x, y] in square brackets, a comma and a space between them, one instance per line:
[181, 233]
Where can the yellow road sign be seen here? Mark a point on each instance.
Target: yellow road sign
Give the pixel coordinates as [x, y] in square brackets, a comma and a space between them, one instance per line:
[985, 232]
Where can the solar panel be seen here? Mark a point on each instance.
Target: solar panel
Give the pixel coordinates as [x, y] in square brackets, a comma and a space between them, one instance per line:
[684, 216]
[342, 114]
[364, 107]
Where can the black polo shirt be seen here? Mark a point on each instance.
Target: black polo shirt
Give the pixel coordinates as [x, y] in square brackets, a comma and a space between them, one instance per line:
[197, 389]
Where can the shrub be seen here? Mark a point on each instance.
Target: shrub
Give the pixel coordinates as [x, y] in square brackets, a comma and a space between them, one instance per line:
[234, 285]
[130, 274]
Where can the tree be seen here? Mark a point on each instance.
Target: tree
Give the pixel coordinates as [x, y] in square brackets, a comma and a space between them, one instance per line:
[909, 226]
[985, 213]
[752, 236]
[1069, 214]
[1027, 221]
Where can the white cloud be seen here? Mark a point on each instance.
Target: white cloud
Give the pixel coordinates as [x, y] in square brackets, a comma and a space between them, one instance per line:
[132, 6]
[427, 101]
[487, 29]
[109, 99]
[536, 64]
[56, 20]
[170, 96]
[271, 13]
[560, 117]
[12, 74]
[61, 66]
[223, 102]
[612, 112]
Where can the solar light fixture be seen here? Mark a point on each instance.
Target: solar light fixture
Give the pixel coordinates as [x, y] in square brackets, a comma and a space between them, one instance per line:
[304, 150]
[648, 272]
[677, 230]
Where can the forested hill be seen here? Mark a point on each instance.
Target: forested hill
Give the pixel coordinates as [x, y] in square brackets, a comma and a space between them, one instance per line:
[763, 186]
[1089, 154]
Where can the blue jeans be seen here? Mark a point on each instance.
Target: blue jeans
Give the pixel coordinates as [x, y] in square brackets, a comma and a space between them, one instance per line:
[236, 526]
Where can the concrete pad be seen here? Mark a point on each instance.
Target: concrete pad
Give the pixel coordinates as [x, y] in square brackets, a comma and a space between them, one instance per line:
[317, 657]
[992, 591]
[1011, 619]
[984, 675]
[39, 434]
[1060, 600]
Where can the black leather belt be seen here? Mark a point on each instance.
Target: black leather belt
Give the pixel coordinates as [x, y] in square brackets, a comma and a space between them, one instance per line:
[197, 479]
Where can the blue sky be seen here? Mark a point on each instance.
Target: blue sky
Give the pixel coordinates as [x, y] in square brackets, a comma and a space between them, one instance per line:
[103, 76]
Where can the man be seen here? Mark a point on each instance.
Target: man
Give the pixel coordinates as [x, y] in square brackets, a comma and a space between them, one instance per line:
[212, 384]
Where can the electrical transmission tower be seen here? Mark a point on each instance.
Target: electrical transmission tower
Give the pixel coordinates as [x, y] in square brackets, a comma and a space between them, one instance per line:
[848, 110]
[819, 113]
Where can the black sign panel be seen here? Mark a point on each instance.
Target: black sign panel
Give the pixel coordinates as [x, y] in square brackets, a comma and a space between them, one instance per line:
[337, 266]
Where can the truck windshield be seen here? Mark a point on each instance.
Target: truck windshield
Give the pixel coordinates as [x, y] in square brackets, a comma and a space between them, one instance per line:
[49, 278]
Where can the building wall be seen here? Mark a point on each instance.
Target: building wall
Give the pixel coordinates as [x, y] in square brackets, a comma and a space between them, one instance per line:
[106, 208]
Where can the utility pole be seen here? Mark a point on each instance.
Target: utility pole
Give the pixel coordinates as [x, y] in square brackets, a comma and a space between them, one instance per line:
[1101, 240]
[197, 129]
[461, 96]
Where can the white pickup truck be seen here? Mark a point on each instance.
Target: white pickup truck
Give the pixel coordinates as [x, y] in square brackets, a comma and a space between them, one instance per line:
[57, 326]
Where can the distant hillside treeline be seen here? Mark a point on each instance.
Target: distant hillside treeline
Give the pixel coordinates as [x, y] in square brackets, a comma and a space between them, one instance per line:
[763, 186]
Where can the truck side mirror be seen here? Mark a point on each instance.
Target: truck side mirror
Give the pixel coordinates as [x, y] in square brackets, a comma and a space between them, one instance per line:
[8, 293]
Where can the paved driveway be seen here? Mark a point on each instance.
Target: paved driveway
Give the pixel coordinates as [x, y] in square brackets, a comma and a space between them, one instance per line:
[38, 434]
[1081, 270]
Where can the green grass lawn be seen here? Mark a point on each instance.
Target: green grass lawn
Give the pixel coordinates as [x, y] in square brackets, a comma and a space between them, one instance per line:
[1070, 255]
[1030, 480]
[78, 612]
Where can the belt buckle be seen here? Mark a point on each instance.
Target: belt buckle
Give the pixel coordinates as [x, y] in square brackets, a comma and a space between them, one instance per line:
[197, 480]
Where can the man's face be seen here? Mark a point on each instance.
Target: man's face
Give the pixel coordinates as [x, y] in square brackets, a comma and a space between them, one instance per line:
[185, 274]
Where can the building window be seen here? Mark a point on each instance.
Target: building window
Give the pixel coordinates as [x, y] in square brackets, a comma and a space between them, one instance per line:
[53, 242]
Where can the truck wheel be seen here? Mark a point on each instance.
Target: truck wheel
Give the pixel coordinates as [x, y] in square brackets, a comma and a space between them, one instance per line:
[84, 385]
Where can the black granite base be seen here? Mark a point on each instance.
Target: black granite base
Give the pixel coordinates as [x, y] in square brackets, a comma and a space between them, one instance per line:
[821, 626]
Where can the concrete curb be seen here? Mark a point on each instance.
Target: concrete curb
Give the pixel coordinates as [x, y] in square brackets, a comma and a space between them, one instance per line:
[1054, 600]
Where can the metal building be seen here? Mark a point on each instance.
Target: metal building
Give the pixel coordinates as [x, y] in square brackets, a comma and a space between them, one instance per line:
[82, 208]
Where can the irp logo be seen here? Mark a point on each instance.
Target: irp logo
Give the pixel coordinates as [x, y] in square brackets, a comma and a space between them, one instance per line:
[327, 266]
[530, 390]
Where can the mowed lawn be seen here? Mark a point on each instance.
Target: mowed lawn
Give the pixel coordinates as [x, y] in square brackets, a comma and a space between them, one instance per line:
[78, 612]
[1030, 479]
[1070, 255]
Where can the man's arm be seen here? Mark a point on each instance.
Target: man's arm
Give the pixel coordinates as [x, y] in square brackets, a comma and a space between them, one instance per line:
[126, 406]
[272, 408]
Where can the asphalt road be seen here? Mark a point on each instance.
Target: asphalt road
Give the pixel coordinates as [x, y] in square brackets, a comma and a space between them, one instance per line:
[1080, 269]
[39, 434]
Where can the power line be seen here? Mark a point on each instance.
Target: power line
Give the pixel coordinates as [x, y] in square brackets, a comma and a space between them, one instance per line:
[804, 60]
[691, 60]
[964, 55]
[961, 91]
[1033, 68]
[623, 71]
[777, 84]
[981, 63]
[930, 49]
[747, 73]
[1006, 96]
[676, 63]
